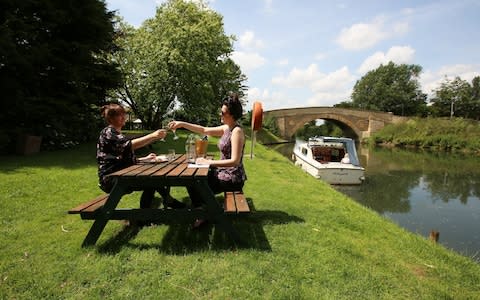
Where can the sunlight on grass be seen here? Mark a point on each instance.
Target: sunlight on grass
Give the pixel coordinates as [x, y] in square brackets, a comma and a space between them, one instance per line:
[305, 241]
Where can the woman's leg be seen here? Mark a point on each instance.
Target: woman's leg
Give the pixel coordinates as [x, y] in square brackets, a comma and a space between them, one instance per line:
[168, 200]
[146, 200]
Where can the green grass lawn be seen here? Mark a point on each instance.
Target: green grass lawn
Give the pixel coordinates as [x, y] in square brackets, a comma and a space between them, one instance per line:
[305, 241]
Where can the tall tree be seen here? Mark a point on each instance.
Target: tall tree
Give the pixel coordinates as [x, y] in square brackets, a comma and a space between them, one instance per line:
[391, 88]
[456, 98]
[52, 67]
[182, 53]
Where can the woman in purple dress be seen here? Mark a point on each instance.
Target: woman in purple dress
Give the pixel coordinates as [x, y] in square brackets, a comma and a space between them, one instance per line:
[227, 173]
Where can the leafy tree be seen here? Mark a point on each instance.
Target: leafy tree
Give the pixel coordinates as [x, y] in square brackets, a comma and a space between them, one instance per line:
[52, 67]
[311, 129]
[475, 97]
[181, 54]
[344, 104]
[456, 98]
[391, 88]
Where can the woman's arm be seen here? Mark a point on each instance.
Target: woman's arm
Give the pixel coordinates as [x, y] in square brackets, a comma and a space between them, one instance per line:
[211, 131]
[149, 138]
[237, 140]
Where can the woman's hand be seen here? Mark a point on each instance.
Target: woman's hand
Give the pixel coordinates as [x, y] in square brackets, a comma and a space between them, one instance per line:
[159, 134]
[202, 161]
[174, 125]
[150, 157]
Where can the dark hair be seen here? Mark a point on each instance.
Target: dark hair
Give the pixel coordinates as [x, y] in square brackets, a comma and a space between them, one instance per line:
[233, 105]
[111, 110]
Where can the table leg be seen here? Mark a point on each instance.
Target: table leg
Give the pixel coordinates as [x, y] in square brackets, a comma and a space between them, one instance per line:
[103, 217]
[215, 211]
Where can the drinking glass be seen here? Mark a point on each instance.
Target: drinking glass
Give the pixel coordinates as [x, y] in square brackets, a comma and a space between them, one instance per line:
[164, 126]
[171, 154]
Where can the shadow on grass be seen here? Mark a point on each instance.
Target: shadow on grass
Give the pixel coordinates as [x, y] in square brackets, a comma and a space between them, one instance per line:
[80, 156]
[181, 239]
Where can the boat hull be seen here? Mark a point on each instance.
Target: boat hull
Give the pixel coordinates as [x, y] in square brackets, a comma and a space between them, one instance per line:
[333, 172]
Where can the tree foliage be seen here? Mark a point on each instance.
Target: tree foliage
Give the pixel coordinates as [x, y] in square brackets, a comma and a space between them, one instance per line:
[311, 129]
[391, 88]
[181, 54]
[457, 98]
[52, 67]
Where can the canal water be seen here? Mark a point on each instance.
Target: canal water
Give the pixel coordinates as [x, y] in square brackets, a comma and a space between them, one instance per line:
[422, 191]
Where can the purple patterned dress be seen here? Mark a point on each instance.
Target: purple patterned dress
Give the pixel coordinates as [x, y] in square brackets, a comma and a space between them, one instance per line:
[230, 174]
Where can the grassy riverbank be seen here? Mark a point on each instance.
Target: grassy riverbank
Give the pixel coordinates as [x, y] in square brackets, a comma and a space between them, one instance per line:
[306, 241]
[444, 134]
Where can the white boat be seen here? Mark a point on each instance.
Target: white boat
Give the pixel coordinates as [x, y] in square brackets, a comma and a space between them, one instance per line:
[331, 159]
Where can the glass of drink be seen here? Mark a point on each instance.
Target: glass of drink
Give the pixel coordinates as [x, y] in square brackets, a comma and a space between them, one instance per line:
[171, 154]
[201, 147]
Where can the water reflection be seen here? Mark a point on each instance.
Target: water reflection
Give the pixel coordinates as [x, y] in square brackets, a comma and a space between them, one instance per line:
[422, 191]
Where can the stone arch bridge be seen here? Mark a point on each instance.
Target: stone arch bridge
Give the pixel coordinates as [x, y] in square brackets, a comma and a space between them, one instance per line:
[356, 123]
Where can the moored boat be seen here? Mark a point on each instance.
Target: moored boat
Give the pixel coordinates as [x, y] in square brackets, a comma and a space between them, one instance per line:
[331, 159]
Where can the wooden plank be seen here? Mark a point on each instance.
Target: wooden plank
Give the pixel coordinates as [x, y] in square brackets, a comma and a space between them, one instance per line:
[177, 171]
[139, 170]
[179, 158]
[229, 203]
[201, 172]
[86, 205]
[164, 170]
[95, 206]
[241, 203]
[126, 170]
[154, 168]
[188, 172]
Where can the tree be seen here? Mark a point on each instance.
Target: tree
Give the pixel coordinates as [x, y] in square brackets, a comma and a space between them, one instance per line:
[455, 98]
[181, 54]
[52, 67]
[311, 129]
[391, 88]
[474, 108]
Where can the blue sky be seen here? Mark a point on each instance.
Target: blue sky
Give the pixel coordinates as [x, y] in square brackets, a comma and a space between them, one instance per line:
[310, 53]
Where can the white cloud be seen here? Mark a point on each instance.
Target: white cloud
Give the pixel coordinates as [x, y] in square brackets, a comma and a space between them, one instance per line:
[431, 80]
[248, 41]
[365, 35]
[283, 62]
[327, 89]
[338, 80]
[299, 78]
[397, 54]
[362, 35]
[248, 60]
[315, 80]
[329, 99]
[270, 100]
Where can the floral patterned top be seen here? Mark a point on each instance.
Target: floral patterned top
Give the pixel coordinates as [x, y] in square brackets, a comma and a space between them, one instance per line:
[114, 152]
[232, 174]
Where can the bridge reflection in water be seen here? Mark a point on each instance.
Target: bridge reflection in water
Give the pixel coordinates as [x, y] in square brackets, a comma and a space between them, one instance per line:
[422, 191]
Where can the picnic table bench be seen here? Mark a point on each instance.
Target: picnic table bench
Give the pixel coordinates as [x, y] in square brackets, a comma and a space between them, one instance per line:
[176, 172]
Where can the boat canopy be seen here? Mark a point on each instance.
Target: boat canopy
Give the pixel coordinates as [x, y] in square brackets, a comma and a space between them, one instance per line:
[347, 143]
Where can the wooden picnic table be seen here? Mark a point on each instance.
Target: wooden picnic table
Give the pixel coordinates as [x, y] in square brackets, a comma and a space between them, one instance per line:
[176, 172]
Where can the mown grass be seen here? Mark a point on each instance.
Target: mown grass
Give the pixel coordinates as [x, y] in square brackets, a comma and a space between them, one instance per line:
[305, 241]
[456, 134]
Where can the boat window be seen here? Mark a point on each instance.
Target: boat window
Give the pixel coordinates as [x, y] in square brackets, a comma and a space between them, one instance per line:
[304, 151]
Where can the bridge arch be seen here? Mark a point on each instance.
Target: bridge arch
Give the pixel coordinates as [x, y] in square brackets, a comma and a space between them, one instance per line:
[363, 123]
[341, 121]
